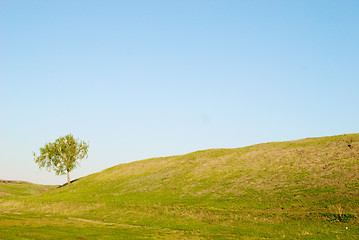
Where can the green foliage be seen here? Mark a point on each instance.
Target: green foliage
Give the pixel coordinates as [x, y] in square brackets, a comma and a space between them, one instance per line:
[62, 155]
[344, 217]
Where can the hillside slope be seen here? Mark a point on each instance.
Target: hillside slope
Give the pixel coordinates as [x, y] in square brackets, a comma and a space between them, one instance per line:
[303, 186]
[311, 169]
[22, 188]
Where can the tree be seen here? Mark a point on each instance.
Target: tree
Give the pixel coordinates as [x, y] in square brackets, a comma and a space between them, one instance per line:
[62, 156]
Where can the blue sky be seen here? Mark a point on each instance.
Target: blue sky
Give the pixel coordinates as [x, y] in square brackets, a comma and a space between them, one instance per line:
[141, 79]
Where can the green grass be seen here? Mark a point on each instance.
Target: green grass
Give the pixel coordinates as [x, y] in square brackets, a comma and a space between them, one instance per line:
[19, 188]
[304, 189]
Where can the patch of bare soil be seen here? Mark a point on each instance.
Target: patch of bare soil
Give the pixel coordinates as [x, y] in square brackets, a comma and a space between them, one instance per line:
[4, 194]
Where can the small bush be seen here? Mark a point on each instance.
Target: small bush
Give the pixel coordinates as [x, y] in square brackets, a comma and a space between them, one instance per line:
[344, 217]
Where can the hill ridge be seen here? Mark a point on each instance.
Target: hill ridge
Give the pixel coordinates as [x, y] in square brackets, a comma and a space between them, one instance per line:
[15, 181]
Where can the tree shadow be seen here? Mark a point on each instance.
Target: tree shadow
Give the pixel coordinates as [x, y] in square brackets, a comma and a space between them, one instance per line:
[65, 184]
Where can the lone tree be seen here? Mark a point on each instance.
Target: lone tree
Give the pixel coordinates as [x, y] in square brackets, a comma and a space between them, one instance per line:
[62, 156]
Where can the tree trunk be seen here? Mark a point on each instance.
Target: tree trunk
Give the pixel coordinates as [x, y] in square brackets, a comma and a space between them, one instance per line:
[68, 178]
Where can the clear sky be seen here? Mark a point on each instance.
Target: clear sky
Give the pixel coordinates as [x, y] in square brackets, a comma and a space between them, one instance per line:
[141, 79]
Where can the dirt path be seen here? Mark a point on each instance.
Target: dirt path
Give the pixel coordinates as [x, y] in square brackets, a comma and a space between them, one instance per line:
[106, 223]
[98, 222]
[126, 225]
[3, 211]
[177, 232]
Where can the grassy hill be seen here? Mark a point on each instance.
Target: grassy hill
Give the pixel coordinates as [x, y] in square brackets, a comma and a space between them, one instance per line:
[22, 188]
[304, 189]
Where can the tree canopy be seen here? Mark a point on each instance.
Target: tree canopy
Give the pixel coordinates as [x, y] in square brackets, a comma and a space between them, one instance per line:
[63, 155]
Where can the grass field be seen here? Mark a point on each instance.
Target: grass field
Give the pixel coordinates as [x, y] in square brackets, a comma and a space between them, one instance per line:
[304, 189]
